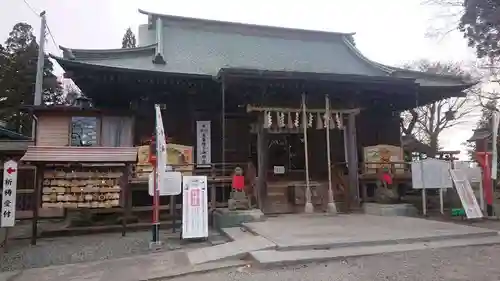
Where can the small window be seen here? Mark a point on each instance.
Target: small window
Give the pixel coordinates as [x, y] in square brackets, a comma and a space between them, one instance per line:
[84, 131]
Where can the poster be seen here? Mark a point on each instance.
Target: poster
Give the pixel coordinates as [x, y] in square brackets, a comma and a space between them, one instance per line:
[431, 174]
[169, 185]
[203, 144]
[194, 207]
[8, 216]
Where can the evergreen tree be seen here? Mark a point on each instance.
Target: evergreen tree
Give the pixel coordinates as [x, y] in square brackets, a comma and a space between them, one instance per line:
[481, 26]
[18, 64]
[484, 122]
[128, 39]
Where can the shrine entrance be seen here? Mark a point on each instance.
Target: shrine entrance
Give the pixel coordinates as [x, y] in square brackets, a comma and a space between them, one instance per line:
[292, 148]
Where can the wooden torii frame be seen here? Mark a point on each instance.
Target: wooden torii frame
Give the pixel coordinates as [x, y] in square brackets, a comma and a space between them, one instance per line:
[350, 147]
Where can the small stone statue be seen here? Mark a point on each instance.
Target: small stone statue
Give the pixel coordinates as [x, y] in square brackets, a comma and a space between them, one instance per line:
[239, 199]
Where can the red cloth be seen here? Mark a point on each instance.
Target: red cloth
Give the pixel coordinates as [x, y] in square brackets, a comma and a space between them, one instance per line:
[387, 178]
[238, 182]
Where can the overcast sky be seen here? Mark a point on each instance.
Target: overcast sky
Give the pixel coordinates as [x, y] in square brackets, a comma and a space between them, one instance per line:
[387, 31]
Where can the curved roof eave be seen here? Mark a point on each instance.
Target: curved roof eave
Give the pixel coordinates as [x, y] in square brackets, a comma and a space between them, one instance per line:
[109, 51]
[239, 24]
[393, 71]
[64, 63]
[358, 54]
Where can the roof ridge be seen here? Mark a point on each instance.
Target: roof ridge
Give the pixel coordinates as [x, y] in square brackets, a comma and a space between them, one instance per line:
[240, 24]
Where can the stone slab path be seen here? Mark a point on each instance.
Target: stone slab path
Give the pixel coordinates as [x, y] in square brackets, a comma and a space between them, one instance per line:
[232, 250]
[295, 232]
[139, 268]
[268, 258]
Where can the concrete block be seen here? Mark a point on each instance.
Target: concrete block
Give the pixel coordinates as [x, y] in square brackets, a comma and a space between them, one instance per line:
[390, 209]
[225, 218]
[235, 249]
[236, 233]
[282, 258]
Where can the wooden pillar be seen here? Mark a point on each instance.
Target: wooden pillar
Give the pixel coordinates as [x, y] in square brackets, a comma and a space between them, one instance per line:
[37, 190]
[352, 158]
[223, 128]
[262, 148]
[127, 198]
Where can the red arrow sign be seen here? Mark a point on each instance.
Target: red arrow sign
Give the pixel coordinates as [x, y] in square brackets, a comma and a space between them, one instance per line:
[10, 170]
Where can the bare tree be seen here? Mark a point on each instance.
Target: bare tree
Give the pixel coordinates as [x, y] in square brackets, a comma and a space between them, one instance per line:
[427, 122]
[446, 15]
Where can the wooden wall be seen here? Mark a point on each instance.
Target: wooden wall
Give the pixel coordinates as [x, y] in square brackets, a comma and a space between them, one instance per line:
[53, 130]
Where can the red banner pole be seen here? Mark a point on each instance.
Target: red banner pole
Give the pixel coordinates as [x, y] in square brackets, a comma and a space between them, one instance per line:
[156, 196]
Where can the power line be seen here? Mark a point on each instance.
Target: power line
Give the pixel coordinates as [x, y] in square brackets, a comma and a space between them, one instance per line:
[31, 8]
[52, 37]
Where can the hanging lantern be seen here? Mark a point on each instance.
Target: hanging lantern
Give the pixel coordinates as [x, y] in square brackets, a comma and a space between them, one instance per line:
[319, 122]
[290, 121]
[450, 115]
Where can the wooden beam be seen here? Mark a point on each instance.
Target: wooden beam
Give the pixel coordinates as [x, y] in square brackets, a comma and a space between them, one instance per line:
[262, 149]
[252, 108]
[352, 158]
[36, 202]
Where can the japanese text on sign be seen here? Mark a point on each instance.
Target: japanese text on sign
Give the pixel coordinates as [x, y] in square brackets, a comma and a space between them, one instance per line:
[203, 149]
[8, 215]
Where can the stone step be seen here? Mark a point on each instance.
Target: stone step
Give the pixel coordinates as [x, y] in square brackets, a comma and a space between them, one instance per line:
[236, 233]
[270, 258]
[312, 245]
[235, 249]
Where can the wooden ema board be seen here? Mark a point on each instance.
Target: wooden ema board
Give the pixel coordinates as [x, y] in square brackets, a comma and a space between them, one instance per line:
[374, 156]
[81, 189]
[179, 156]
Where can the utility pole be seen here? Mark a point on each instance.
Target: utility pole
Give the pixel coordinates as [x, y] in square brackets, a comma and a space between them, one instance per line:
[41, 61]
[39, 72]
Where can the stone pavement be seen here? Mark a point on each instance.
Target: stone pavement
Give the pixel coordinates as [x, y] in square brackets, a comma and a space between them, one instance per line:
[268, 258]
[317, 231]
[147, 267]
[236, 249]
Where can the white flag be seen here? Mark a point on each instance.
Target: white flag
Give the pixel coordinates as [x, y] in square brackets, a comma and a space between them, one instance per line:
[161, 148]
[494, 158]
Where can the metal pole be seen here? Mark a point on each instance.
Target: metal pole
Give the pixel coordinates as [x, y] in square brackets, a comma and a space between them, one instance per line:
[308, 208]
[41, 61]
[331, 208]
[223, 117]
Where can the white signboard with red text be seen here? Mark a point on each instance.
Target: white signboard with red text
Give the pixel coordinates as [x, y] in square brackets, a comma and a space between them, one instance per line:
[194, 207]
[8, 215]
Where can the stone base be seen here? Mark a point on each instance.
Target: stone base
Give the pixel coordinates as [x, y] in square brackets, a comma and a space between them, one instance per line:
[3, 234]
[390, 209]
[225, 218]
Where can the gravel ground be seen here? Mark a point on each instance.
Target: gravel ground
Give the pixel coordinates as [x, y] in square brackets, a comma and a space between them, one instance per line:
[452, 264]
[85, 248]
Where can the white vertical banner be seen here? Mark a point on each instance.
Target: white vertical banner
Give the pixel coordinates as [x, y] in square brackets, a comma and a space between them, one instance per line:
[194, 207]
[8, 215]
[494, 158]
[203, 144]
[161, 147]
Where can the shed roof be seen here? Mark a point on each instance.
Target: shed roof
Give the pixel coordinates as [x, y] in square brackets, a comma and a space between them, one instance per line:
[66, 154]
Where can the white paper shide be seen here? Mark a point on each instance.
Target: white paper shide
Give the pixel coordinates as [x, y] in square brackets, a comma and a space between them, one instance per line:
[8, 215]
[203, 145]
[194, 207]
